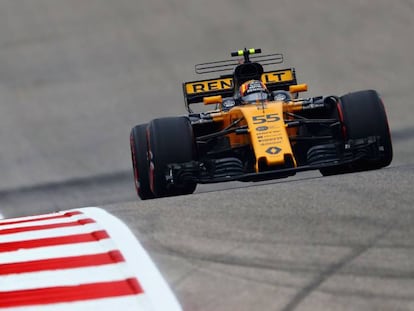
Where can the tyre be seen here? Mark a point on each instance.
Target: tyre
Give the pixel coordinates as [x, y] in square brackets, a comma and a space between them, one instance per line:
[140, 163]
[363, 115]
[171, 140]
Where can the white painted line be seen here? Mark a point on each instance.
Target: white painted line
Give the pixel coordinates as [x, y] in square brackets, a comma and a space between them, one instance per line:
[1, 216]
[125, 303]
[66, 277]
[42, 234]
[35, 222]
[35, 217]
[58, 251]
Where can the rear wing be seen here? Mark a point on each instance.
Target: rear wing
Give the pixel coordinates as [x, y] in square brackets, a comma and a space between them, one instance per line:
[195, 91]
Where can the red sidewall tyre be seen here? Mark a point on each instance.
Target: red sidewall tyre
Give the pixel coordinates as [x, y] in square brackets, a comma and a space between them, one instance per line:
[140, 163]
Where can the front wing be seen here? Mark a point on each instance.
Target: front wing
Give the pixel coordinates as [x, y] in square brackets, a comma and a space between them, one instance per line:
[228, 169]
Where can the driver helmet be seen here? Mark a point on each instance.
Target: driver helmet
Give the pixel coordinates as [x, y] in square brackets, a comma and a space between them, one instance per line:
[253, 91]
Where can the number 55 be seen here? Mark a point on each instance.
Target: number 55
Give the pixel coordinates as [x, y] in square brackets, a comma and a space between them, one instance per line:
[272, 117]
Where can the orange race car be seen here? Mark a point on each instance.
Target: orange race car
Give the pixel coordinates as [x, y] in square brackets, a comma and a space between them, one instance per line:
[258, 129]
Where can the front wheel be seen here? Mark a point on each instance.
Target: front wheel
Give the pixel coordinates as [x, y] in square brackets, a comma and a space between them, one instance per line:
[362, 115]
[140, 163]
[171, 140]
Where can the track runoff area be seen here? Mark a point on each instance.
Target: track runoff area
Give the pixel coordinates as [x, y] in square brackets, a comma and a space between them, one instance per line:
[82, 259]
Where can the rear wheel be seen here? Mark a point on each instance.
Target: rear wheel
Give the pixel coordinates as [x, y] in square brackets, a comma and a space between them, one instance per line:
[140, 163]
[171, 140]
[363, 115]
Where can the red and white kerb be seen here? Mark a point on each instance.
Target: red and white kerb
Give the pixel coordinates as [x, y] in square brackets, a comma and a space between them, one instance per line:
[83, 259]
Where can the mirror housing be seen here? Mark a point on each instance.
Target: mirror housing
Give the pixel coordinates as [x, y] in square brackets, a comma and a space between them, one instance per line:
[298, 88]
[213, 100]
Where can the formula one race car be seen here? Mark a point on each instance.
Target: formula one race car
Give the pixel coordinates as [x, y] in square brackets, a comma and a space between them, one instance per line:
[258, 130]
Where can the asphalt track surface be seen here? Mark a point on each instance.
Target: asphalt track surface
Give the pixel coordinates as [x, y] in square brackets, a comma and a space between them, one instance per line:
[75, 76]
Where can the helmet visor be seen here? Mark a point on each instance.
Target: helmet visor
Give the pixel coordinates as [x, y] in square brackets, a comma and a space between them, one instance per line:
[254, 97]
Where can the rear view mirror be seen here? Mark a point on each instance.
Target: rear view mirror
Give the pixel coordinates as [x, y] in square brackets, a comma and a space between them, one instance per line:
[213, 100]
[298, 88]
